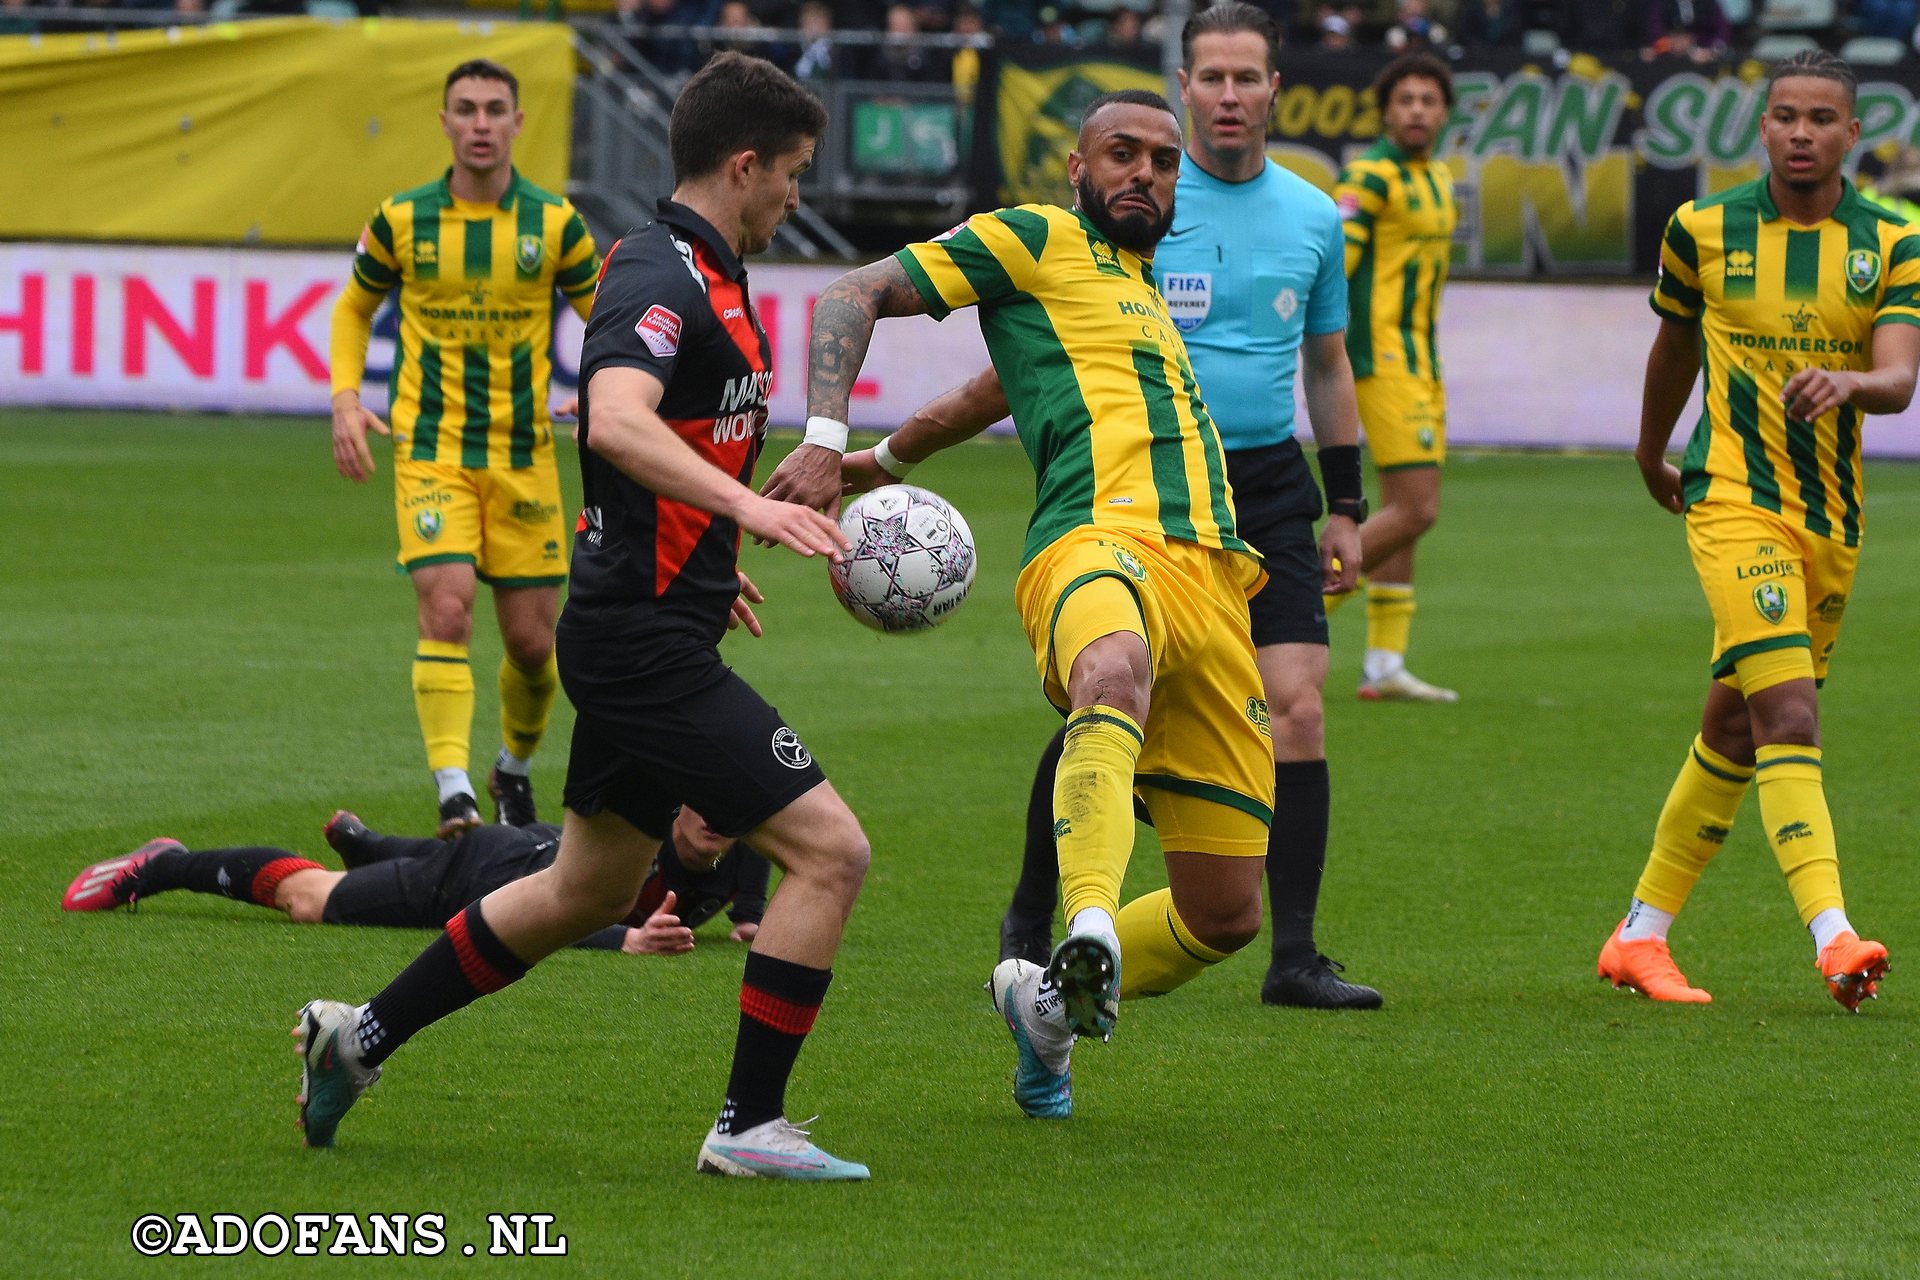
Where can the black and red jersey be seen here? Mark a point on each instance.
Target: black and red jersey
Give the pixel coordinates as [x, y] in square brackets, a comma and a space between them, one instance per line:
[672, 301]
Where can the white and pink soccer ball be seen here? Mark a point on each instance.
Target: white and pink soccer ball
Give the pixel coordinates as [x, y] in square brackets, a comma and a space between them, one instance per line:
[912, 559]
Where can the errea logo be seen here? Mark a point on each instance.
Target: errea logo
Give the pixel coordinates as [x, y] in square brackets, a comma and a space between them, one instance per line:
[1740, 263]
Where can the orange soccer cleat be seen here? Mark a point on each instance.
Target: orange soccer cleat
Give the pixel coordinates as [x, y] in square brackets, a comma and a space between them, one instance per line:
[1853, 969]
[1647, 966]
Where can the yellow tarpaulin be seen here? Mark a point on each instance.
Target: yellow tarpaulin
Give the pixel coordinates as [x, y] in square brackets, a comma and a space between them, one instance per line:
[277, 131]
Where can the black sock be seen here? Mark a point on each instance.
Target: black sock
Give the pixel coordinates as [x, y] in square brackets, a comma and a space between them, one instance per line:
[1296, 856]
[246, 874]
[778, 1002]
[1039, 883]
[458, 967]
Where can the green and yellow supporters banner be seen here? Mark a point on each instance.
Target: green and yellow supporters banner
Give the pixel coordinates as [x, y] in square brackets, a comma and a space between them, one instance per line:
[1561, 170]
[278, 131]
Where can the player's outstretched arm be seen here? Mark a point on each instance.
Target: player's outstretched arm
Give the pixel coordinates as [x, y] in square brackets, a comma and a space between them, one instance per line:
[950, 418]
[1672, 365]
[629, 434]
[1885, 388]
[843, 320]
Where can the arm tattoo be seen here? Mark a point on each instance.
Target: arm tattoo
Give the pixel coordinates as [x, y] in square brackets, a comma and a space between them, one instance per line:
[843, 320]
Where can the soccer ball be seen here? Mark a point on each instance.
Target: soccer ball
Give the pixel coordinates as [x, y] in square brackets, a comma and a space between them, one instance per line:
[912, 559]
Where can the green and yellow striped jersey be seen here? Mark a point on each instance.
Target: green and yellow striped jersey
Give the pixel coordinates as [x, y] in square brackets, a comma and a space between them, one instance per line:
[1095, 373]
[476, 285]
[1771, 298]
[1399, 217]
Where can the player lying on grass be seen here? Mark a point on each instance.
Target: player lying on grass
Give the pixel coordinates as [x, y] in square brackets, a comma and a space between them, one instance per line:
[411, 883]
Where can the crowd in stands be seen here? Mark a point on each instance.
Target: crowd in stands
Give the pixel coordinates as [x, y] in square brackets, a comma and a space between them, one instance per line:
[1705, 30]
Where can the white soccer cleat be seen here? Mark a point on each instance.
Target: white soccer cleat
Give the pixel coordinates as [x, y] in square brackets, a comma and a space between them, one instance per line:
[331, 1075]
[776, 1149]
[1036, 1016]
[1403, 686]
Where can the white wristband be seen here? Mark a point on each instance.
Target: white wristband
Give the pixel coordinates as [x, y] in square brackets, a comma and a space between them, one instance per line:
[828, 433]
[890, 464]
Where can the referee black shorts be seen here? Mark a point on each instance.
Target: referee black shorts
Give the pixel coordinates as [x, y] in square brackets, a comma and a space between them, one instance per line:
[1276, 501]
[710, 742]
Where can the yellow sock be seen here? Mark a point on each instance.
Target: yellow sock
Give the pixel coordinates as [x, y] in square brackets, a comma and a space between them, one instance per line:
[1157, 950]
[1693, 825]
[1793, 804]
[1093, 806]
[1332, 603]
[1389, 615]
[525, 699]
[443, 698]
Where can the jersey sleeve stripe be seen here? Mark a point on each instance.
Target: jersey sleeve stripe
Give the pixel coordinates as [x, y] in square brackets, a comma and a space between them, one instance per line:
[937, 305]
[374, 276]
[380, 232]
[576, 231]
[1905, 251]
[578, 278]
[1680, 301]
[1684, 251]
[980, 251]
[1028, 227]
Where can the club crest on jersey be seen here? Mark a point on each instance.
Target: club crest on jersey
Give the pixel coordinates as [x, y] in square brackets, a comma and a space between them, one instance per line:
[1770, 598]
[1189, 296]
[660, 330]
[1863, 270]
[427, 524]
[527, 252]
[1131, 563]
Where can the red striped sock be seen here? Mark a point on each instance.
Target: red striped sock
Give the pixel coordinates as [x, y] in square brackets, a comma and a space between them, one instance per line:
[268, 878]
[779, 1001]
[458, 967]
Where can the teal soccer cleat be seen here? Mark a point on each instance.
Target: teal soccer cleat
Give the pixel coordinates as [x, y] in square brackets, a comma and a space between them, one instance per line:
[1086, 971]
[331, 1077]
[1043, 1079]
[776, 1149]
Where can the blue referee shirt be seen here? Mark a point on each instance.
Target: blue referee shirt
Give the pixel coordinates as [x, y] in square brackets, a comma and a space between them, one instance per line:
[1248, 268]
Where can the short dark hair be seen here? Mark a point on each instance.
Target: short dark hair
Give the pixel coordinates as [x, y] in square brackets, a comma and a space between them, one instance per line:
[1819, 64]
[1227, 19]
[482, 69]
[1124, 97]
[739, 103]
[1418, 65]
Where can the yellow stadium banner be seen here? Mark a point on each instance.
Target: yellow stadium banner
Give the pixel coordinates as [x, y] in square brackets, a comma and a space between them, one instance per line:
[279, 131]
[1039, 113]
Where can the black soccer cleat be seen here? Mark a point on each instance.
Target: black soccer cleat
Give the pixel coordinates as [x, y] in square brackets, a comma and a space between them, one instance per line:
[1026, 938]
[349, 837]
[458, 815]
[1314, 985]
[512, 798]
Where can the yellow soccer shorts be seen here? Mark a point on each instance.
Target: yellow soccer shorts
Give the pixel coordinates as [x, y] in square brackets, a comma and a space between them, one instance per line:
[1404, 420]
[505, 522]
[1206, 767]
[1777, 592]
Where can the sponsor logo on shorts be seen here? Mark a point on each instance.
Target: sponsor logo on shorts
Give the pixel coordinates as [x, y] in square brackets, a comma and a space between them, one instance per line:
[1831, 609]
[1792, 831]
[1863, 269]
[1130, 563]
[1713, 833]
[1062, 827]
[1425, 436]
[427, 524]
[1766, 569]
[527, 252]
[551, 551]
[789, 750]
[437, 498]
[533, 511]
[660, 330]
[1770, 598]
[1257, 712]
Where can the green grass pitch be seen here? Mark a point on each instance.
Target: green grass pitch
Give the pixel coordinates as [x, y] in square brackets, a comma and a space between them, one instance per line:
[202, 635]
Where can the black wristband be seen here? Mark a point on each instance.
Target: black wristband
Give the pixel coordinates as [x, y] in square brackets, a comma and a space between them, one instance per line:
[1340, 472]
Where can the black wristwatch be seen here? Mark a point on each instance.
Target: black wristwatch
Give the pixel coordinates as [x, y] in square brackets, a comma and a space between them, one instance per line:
[1354, 509]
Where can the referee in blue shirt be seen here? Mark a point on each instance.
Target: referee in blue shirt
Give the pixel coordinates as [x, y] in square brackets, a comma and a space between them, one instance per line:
[1253, 274]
